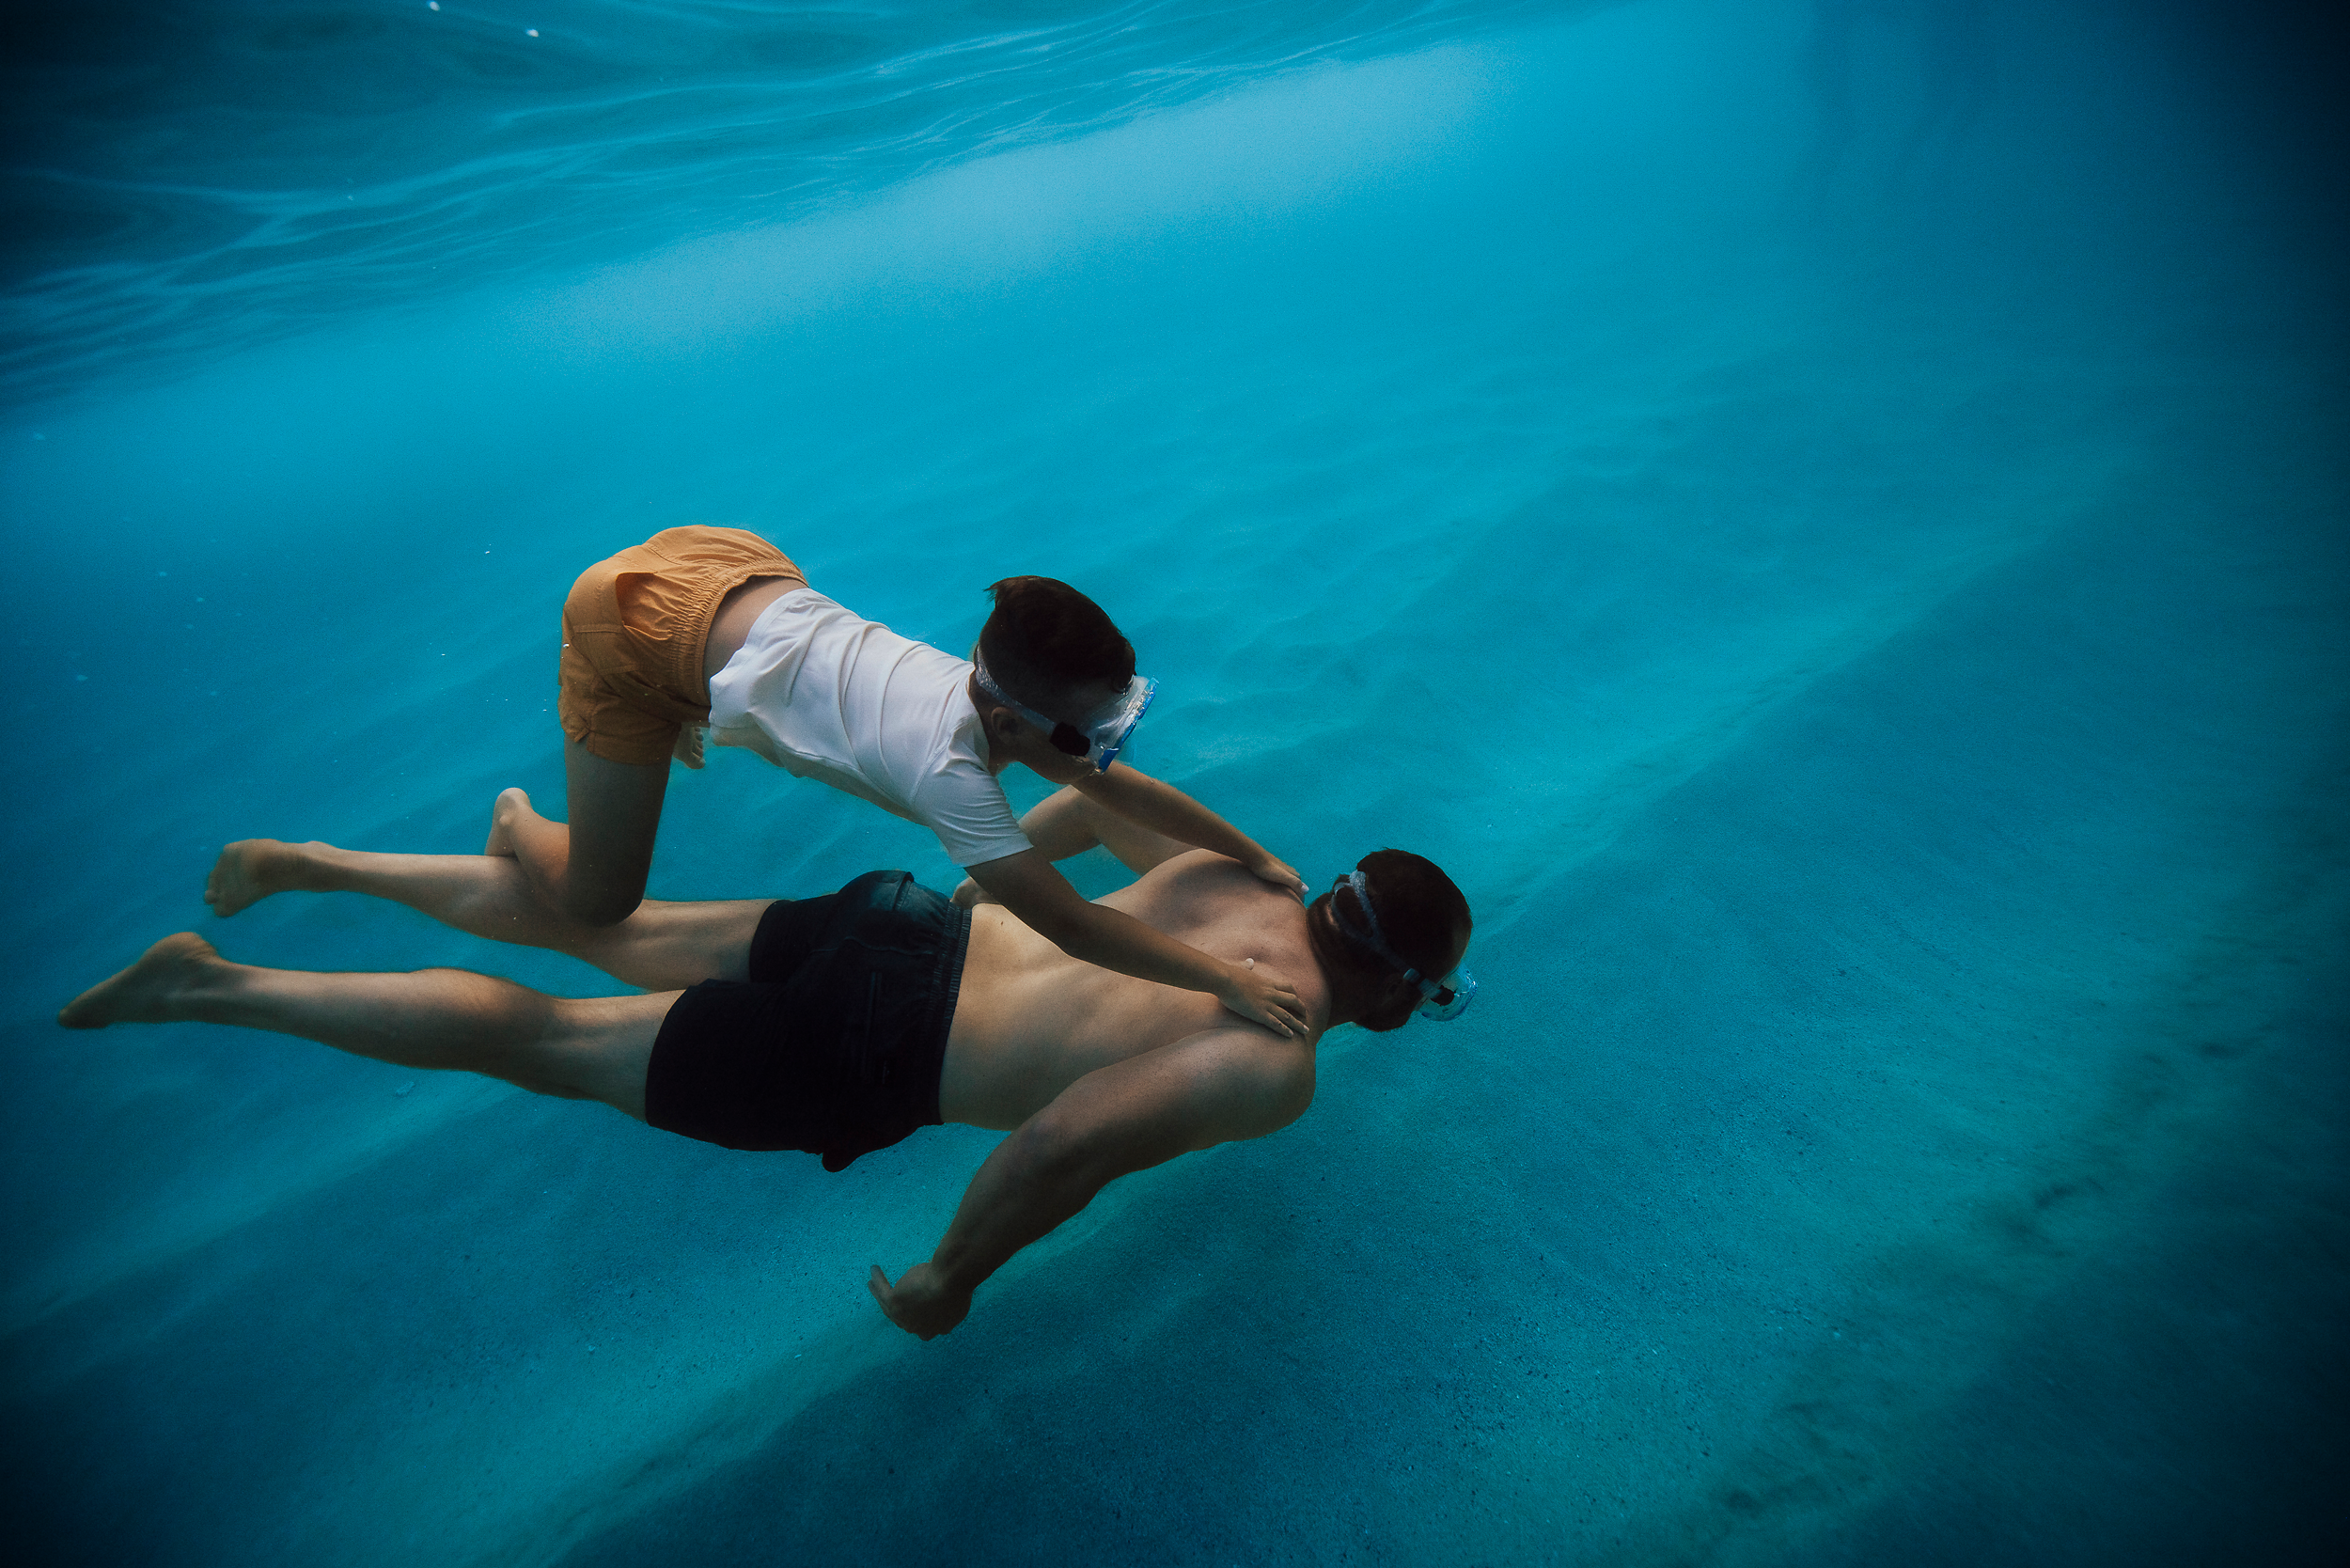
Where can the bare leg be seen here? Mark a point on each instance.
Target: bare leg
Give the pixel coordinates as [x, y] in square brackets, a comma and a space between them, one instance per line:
[662, 947]
[1065, 824]
[593, 867]
[439, 1019]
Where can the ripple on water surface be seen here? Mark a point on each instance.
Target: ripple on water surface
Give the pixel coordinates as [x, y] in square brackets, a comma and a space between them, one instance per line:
[192, 177]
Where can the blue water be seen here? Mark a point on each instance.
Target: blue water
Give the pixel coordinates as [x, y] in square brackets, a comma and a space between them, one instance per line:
[1826, 519]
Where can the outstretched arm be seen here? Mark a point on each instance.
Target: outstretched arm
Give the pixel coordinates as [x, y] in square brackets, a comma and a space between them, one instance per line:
[1207, 1088]
[1065, 824]
[1030, 886]
[1150, 803]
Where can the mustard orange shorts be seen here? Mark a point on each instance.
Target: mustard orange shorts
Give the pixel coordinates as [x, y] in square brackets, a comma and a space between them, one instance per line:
[635, 628]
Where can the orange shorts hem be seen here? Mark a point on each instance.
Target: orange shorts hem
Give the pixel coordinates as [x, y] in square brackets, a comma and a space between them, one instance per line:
[635, 628]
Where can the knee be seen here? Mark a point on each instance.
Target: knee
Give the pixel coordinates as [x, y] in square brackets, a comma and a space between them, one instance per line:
[498, 1014]
[591, 1048]
[552, 1054]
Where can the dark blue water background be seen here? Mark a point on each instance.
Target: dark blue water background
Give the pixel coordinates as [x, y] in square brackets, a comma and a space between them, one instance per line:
[1827, 518]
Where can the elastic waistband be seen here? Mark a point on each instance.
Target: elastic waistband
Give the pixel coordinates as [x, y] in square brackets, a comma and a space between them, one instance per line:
[709, 586]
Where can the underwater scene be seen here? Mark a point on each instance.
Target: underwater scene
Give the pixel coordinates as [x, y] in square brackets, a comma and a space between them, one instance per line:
[1824, 518]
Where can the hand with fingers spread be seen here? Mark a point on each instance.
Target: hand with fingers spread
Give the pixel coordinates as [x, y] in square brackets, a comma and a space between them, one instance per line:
[1263, 998]
[1268, 868]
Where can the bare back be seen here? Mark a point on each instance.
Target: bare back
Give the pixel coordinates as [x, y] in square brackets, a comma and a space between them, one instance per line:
[1030, 1020]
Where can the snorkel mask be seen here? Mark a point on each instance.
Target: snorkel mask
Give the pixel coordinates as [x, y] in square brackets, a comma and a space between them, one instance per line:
[1443, 999]
[1099, 736]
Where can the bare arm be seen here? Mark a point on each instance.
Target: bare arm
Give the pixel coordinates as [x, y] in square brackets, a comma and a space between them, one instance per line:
[1030, 886]
[1207, 1088]
[1065, 824]
[1150, 803]
[1157, 810]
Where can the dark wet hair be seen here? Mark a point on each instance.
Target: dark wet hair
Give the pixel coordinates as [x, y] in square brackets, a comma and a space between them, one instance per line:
[1421, 913]
[1045, 639]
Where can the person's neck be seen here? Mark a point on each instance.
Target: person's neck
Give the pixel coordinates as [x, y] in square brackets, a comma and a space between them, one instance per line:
[1350, 1000]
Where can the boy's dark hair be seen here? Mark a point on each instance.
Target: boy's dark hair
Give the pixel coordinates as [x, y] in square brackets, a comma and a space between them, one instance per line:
[1421, 914]
[1045, 639]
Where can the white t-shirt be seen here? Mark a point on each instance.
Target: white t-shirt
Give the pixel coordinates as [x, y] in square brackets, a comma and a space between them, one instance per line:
[825, 694]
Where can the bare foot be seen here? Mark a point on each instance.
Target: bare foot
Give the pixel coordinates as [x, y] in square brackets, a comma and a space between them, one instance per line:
[511, 804]
[147, 991]
[250, 871]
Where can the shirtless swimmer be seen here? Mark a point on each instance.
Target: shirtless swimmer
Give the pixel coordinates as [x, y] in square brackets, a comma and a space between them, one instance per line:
[841, 1025]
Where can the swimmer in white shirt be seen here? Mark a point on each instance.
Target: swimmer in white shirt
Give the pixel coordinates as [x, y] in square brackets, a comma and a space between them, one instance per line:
[704, 627]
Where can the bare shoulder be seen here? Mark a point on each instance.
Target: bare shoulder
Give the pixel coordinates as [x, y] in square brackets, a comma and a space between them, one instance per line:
[1198, 866]
[1249, 1081]
[1220, 907]
[1220, 1085]
[1204, 885]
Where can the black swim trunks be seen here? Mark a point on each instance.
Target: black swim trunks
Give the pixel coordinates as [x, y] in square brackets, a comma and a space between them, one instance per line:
[835, 1043]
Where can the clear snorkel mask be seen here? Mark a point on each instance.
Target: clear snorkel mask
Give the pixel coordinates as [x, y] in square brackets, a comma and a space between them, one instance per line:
[1443, 999]
[1099, 736]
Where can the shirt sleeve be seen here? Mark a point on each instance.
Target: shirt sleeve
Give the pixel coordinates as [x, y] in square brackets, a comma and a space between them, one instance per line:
[964, 805]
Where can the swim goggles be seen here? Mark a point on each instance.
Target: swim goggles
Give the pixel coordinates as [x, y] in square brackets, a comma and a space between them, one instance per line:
[1443, 999]
[1099, 736]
